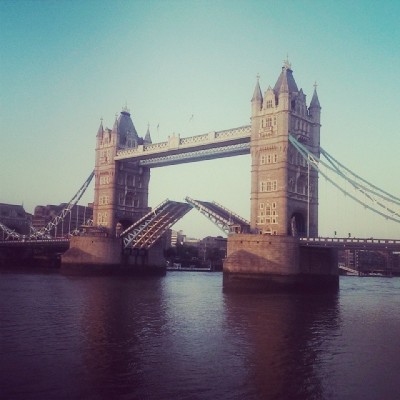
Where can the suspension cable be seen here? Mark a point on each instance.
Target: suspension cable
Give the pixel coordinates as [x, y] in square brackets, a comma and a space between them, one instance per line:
[336, 163]
[315, 163]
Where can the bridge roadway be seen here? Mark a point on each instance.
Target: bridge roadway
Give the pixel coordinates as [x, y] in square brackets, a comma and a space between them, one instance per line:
[353, 243]
[50, 243]
[227, 220]
[176, 150]
[339, 243]
[32, 253]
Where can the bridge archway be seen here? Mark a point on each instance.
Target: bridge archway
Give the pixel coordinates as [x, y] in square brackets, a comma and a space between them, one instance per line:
[125, 223]
[297, 225]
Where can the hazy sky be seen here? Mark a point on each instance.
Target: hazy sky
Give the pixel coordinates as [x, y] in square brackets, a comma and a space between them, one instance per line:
[66, 64]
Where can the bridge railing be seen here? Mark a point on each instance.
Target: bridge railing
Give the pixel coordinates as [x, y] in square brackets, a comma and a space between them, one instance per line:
[350, 240]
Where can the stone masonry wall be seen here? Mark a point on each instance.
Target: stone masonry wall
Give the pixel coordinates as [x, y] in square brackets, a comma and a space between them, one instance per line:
[262, 254]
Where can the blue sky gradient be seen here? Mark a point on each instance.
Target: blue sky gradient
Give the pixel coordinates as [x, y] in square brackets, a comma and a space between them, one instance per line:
[66, 64]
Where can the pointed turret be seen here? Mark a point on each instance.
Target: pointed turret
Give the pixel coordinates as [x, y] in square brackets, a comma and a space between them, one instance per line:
[100, 131]
[285, 86]
[315, 101]
[257, 95]
[257, 99]
[285, 81]
[147, 138]
[115, 126]
[315, 108]
[125, 129]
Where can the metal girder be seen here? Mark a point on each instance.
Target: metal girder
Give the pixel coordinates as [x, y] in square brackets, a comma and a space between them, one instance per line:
[224, 219]
[44, 233]
[198, 155]
[10, 233]
[146, 231]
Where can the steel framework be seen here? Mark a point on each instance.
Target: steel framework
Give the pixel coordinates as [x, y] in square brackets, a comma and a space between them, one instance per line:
[226, 220]
[44, 233]
[147, 230]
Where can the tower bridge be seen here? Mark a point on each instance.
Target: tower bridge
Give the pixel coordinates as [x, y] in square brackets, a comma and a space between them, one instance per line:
[278, 247]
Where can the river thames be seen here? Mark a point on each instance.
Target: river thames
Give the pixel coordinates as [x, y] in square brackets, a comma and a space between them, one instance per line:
[182, 337]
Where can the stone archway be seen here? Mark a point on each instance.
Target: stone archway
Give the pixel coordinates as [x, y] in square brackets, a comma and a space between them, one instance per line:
[297, 225]
[125, 223]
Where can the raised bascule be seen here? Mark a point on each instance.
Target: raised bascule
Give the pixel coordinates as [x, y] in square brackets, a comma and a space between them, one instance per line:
[278, 248]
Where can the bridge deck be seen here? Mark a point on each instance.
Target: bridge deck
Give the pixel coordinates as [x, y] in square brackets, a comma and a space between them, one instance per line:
[146, 231]
[35, 243]
[222, 217]
[353, 243]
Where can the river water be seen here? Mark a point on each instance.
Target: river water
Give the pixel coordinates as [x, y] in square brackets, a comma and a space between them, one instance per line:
[182, 337]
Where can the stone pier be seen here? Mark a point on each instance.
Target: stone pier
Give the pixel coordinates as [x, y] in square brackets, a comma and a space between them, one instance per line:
[272, 263]
[96, 253]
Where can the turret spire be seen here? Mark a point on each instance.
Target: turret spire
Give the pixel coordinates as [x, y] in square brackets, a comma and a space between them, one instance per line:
[315, 101]
[257, 95]
[285, 82]
[101, 129]
[147, 138]
[284, 87]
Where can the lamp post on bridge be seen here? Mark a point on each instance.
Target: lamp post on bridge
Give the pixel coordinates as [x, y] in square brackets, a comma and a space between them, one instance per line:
[308, 195]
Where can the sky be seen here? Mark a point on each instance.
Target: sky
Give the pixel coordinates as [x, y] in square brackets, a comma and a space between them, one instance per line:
[64, 65]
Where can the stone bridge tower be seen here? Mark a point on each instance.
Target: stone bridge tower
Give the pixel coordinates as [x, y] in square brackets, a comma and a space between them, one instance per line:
[284, 191]
[121, 187]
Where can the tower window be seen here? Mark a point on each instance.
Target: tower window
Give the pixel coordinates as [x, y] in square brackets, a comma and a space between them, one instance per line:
[131, 180]
[267, 214]
[268, 185]
[104, 179]
[102, 218]
[103, 200]
[268, 158]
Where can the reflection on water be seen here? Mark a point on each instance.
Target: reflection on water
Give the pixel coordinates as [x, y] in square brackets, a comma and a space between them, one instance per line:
[181, 337]
[282, 335]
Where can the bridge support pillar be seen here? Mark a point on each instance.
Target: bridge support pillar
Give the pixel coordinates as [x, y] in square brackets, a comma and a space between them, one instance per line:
[278, 263]
[98, 254]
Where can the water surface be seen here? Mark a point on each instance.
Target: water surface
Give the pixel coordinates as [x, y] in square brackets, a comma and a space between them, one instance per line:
[181, 337]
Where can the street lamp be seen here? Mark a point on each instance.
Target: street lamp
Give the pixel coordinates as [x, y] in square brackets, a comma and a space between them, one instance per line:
[308, 195]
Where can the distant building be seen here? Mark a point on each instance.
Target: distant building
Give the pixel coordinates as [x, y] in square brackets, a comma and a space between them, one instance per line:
[15, 218]
[175, 238]
[171, 237]
[216, 244]
[189, 241]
